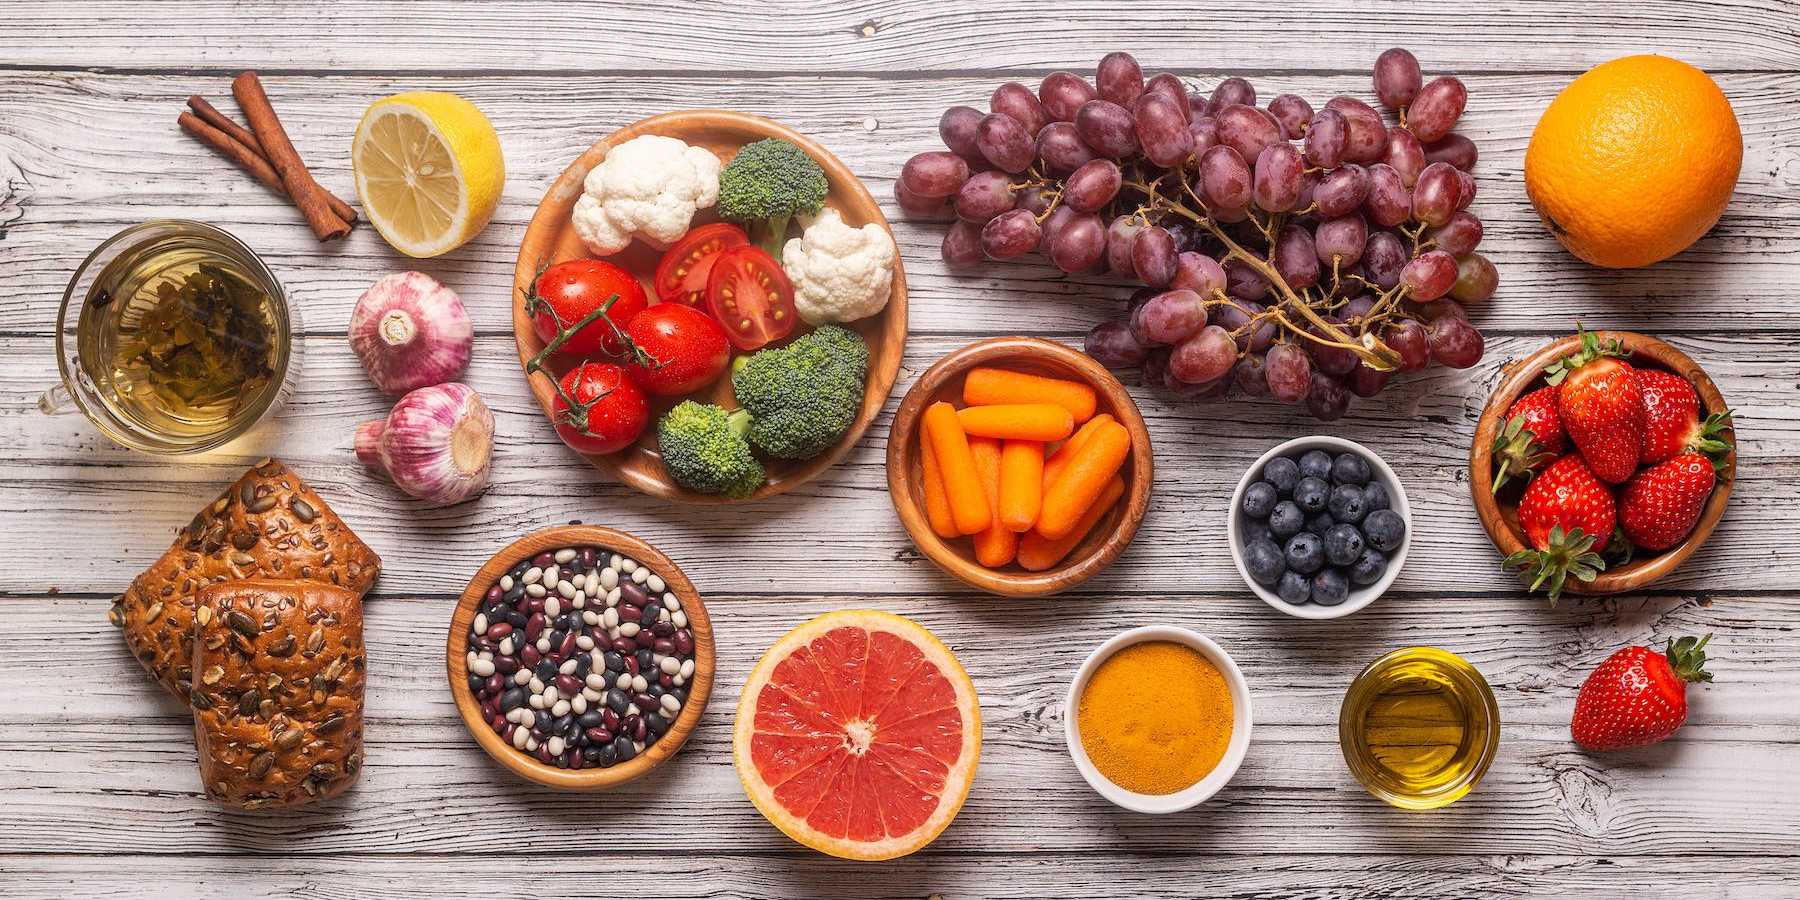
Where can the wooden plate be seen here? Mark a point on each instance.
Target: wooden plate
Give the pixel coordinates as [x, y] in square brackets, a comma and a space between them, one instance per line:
[944, 381]
[1500, 514]
[551, 239]
[700, 687]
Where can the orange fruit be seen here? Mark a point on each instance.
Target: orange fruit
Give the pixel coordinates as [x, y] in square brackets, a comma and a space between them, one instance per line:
[857, 735]
[1634, 161]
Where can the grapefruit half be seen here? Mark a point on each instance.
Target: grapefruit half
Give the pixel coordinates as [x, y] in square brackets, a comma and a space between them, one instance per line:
[857, 735]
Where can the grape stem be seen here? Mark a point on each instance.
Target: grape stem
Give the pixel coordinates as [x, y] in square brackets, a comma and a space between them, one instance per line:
[1370, 350]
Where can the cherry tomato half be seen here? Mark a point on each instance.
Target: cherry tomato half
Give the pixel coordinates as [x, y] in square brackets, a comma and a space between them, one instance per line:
[609, 411]
[751, 296]
[568, 292]
[682, 272]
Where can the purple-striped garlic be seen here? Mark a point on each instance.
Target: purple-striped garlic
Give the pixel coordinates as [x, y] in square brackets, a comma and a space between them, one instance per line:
[435, 444]
[410, 332]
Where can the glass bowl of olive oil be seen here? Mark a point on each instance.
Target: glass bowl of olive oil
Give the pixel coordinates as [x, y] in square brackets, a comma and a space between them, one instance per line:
[173, 337]
[1419, 728]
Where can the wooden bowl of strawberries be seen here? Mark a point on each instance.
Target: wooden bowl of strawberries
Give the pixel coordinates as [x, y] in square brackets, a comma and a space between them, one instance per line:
[1601, 462]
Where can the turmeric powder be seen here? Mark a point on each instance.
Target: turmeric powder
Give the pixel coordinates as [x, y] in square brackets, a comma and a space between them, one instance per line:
[1155, 717]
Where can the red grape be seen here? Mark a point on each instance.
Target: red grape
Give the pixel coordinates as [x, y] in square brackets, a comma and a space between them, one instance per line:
[1005, 143]
[1396, 77]
[1340, 241]
[1249, 377]
[1296, 259]
[984, 196]
[1454, 149]
[1231, 90]
[1465, 189]
[1225, 178]
[1204, 357]
[1162, 131]
[1169, 88]
[1429, 276]
[1062, 93]
[1325, 138]
[1107, 128]
[1289, 373]
[1243, 282]
[1010, 234]
[914, 205]
[1342, 190]
[1198, 273]
[1434, 196]
[1153, 256]
[1331, 360]
[1092, 186]
[1292, 112]
[1437, 107]
[1119, 237]
[1476, 279]
[1077, 244]
[1246, 129]
[1384, 256]
[1111, 345]
[1168, 318]
[1036, 199]
[1017, 101]
[1458, 236]
[1455, 342]
[957, 127]
[1404, 154]
[1276, 184]
[1366, 382]
[1407, 338]
[934, 174]
[1205, 132]
[1061, 149]
[1120, 78]
[962, 244]
[1388, 203]
[1358, 307]
[1365, 135]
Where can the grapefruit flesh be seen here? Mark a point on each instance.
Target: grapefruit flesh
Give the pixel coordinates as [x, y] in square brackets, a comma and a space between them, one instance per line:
[858, 734]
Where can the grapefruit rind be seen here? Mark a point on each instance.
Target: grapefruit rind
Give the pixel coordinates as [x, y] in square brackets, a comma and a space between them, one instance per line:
[957, 781]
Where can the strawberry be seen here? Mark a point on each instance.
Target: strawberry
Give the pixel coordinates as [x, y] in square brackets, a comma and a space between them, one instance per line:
[1672, 423]
[1568, 518]
[1602, 406]
[1660, 504]
[1638, 697]
[1532, 436]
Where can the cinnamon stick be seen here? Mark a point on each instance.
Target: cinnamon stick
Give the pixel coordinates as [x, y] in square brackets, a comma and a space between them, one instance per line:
[285, 160]
[233, 149]
[212, 116]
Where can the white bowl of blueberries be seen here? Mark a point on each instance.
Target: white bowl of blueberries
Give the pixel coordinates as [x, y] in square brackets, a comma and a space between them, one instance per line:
[1319, 527]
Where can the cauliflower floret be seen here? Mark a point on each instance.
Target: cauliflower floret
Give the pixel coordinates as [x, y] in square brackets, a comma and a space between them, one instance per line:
[840, 273]
[647, 188]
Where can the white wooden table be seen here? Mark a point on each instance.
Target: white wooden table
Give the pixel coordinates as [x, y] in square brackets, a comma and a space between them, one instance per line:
[98, 789]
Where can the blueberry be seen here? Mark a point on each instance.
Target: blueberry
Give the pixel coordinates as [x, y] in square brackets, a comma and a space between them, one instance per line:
[1346, 504]
[1316, 463]
[1349, 468]
[1312, 493]
[1343, 544]
[1264, 561]
[1259, 500]
[1294, 587]
[1319, 523]
[1305, 553]
[1286, 520]
[1254, 530]
[1330, 587]
[1369, 567]
[1282, 473]
[1375, 496]
[1385, 530]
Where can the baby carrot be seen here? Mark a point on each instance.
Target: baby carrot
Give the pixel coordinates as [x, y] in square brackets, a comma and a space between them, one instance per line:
[1054, 465]
[1018, 421]
[1037, 553]
[995, 545]
[1082, 481]
[937, 502]
[950, 445]
[991, 387]
[1021, 484]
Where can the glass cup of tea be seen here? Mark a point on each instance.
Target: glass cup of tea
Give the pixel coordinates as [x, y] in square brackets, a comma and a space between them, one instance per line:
[173, 337]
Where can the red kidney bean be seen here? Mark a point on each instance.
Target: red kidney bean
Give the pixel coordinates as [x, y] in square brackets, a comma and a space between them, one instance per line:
[644, 702]
[534, 626]
[530, 656]
[630, 613]
[533, 605]
[599, 735]
[625, 645]
[491, 708]
[576, 760]
[609, 719]
[631, 664]
[663, 629]
[664, 646]
[495, 593]
[633, 595]
[568, 685]
[666, 680]
[543, 559]
[589, 557]
[498, 723]
[482, 643]
[495, 684]
[543, 752]
[506, 665]
[684, 642]
[499, 630]
[641, 730]
[568, 646]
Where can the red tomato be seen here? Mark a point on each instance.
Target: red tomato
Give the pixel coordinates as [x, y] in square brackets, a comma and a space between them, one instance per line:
[681, 275]
[568, 292]
[750, 295]
[609, 411]
[679, 349]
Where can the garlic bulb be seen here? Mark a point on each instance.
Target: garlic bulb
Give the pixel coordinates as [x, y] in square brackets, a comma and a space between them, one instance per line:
[410, 332]
[435, 444]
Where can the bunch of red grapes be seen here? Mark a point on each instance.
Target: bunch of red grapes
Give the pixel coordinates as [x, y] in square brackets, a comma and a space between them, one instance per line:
[1304, 255]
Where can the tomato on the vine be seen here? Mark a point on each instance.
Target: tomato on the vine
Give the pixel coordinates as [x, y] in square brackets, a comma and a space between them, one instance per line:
[681, 273]
[679, 349]
[609, 409]
[751, 296]
[569, 292]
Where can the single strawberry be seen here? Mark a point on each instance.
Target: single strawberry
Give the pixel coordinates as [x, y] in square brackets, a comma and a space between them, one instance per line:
[1568, 516]
[1672, 423]
[1637, 696]
[1661, 504]
[1602, 406]
[1532, 436]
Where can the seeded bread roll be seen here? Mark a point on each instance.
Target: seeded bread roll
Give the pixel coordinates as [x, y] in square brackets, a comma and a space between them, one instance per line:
[277, 691]
[268, 524]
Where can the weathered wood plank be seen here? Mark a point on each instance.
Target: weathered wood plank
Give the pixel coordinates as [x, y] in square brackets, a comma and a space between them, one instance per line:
[60, 129]
[743, 37]
[112, 765]
[72, 503]
[1221, 872]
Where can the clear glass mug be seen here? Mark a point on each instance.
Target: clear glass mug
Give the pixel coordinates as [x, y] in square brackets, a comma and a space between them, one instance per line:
[82, 391]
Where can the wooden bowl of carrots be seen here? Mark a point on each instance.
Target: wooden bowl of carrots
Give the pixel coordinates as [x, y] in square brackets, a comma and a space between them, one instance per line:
[1019, 466]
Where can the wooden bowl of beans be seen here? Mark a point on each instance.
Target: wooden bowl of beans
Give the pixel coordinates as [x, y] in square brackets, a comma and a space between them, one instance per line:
[580, 657]
[1034, 566]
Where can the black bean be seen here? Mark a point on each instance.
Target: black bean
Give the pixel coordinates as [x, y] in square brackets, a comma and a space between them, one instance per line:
[476, 682]
[515, 698]
[589, 719]
[592, 752]
[517, 619]
[609, 754]
[651, 613]
[615, 662]
[646, 660]
[518, 590]
[617, 701]
[622, 748]
[545, 671]
[583, 664]
[656, 723]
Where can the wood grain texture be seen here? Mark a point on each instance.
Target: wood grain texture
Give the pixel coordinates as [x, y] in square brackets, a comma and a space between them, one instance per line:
[101, 793]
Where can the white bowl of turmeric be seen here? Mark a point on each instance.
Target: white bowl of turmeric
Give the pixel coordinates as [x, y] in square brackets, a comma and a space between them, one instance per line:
[1158, 719]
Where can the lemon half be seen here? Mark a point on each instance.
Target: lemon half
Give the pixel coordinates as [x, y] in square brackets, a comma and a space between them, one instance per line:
[428, 170]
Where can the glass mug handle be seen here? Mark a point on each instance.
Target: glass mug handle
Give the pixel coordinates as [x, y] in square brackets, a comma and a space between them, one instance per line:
[56, 401]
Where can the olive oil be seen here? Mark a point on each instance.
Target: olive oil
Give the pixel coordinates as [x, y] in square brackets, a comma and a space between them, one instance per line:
[180, 341]
[1419, 727]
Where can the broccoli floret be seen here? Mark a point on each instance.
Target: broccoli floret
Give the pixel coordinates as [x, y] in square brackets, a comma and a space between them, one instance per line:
[803, 397]
[767, 184]
[703, 448]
